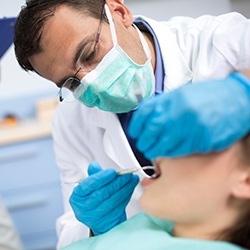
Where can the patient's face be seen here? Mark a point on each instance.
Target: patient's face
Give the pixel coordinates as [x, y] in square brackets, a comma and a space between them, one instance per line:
[191, 189]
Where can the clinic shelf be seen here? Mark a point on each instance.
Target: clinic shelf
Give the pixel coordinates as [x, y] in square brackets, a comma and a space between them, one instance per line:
[23, 131]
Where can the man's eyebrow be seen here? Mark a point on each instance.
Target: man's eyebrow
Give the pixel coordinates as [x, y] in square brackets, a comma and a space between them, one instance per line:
[80, 47]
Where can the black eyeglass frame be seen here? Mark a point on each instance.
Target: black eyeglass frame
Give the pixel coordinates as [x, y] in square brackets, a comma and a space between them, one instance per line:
[74, 78]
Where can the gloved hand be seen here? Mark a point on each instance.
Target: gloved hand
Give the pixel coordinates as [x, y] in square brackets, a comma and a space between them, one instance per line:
[195, 118]
[100, 200]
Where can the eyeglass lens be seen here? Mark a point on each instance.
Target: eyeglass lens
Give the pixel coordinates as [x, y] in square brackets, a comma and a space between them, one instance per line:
[87, 61]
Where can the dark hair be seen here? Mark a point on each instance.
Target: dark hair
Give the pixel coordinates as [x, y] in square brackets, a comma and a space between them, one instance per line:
[31, 19]
[240, 233]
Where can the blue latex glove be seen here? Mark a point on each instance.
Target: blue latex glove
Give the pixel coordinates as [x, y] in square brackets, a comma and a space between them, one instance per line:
[195, 118]
[99, 201]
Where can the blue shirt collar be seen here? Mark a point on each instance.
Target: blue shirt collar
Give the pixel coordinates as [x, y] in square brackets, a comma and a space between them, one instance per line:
[159, 70]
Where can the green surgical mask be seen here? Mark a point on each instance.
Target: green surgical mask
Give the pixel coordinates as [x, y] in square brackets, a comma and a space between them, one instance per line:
[117, 80]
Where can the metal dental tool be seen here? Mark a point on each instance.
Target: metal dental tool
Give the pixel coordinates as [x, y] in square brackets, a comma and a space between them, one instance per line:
[132, 170]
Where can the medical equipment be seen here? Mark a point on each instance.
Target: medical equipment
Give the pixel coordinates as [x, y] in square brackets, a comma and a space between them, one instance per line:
[132, 170]
[120, 77]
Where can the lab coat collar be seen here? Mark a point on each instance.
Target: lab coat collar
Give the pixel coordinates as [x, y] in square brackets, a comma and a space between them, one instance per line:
[115, 143]
[176, 69]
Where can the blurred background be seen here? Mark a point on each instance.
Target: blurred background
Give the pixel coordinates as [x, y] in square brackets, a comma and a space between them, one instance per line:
[29, 178]
[15, 81]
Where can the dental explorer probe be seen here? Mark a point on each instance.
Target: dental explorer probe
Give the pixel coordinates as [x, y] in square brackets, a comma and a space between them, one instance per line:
[133, 170]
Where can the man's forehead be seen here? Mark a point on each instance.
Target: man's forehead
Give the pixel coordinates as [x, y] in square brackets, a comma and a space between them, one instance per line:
[60, 37]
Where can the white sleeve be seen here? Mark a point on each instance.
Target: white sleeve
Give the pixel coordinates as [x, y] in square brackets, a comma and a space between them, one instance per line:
[68, 155]
[213, 46]
[225, 49]
[9, 239]
[232, 40]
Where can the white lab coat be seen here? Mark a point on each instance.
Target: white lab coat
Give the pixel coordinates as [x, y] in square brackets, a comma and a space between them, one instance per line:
[193, 50]
[9, 238]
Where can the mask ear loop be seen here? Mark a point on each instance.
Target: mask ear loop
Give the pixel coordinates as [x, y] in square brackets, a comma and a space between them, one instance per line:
[114, 37]
[111, 24]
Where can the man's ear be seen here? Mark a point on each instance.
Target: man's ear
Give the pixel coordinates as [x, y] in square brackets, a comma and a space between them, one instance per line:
[241, 188]
[118, 7]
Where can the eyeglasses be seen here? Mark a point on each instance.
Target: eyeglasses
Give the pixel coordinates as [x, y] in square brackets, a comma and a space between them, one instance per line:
[86, 62]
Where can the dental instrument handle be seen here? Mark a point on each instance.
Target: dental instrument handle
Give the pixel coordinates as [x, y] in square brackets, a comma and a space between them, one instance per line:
[132, 170]
[128, 171]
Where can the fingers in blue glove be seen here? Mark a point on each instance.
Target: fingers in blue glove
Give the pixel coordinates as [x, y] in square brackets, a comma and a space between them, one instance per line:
[94, 168]
[119, 191]
[95, 182]
[149, 124]
[102, 214]
[152, 131]
[93, 197]
[102, 208]
[165, 145]
[196, 118]
[139, 118]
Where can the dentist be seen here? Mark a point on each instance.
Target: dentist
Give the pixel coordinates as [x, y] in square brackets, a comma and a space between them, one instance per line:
[104, 56]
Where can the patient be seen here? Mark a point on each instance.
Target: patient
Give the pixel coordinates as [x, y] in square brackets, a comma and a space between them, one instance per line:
[203, 202]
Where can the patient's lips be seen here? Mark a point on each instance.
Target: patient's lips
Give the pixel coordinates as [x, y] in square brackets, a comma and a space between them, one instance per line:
[147, 181]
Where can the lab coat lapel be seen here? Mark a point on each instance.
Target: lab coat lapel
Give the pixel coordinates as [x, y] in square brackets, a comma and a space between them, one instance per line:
[114, 141]
[176, 69]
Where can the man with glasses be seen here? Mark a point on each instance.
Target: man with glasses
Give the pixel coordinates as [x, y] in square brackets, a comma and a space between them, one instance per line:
[110, 62]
